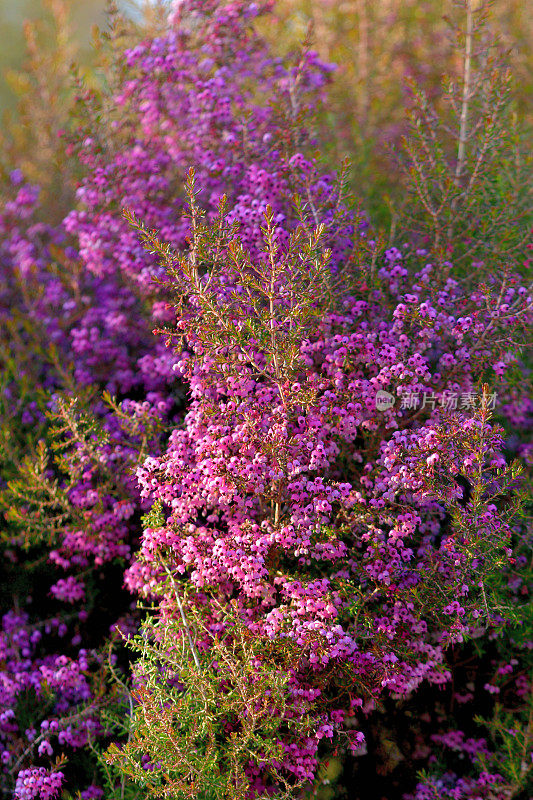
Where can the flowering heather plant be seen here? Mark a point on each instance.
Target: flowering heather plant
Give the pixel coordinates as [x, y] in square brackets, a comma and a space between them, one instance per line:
[82, 502]
[360, 562]
[330, 507]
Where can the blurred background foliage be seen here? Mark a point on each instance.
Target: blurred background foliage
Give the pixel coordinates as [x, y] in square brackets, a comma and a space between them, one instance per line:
[15, 17]
[378, 48]
[53, 52]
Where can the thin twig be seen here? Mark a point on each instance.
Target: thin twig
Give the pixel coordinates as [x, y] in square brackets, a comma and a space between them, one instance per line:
[182, 612]
[463, 127]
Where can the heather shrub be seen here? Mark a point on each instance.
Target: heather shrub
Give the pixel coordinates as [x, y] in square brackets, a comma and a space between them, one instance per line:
[82, 500]
[306, 469]
[314, 561]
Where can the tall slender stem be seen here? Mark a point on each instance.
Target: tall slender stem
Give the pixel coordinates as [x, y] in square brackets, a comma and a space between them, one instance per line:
[467, 78]
[182, 613]
[362, 63]
[463, 117]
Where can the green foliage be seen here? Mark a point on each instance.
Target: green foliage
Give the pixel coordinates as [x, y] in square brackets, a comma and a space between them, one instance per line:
[37, 502]
[154, 518]
[468, 178]
[378, 45]
[512, 736]
[201, 715]
[43, 91]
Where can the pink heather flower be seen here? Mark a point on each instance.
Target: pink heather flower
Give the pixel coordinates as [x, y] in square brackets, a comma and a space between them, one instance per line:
[68, 589]
[37, 782]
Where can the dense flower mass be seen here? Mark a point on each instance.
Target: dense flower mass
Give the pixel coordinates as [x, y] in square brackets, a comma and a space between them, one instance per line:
[280, 492]
[313, 446]
[38, 783]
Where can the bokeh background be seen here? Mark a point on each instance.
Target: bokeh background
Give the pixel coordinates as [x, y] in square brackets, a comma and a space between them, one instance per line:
[84, 15]
[377, 47]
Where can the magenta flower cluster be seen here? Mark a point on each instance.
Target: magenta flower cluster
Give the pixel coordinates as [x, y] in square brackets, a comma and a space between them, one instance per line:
[38, 782]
